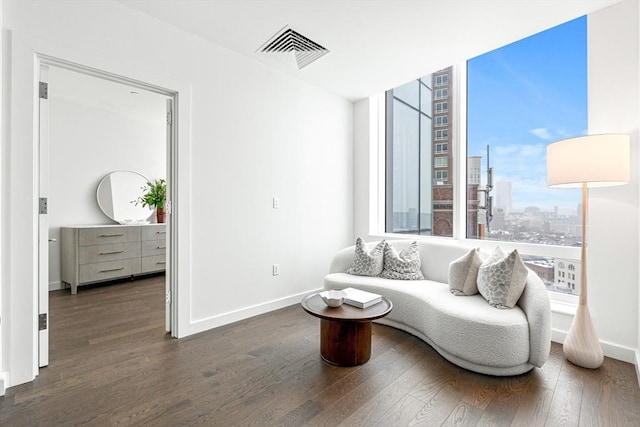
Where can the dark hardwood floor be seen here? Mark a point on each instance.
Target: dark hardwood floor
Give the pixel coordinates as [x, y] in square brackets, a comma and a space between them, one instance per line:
[112, 364]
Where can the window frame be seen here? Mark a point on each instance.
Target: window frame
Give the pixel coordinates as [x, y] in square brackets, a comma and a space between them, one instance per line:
[444, 145]
[441, 93]
[444, 177]
[440, 121]
[441, 135]
[440, 159]
[444, 109]
[387, 103]
[444, 80]
[563, 303]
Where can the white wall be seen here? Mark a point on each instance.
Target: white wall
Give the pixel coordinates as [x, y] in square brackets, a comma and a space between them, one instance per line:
[2, 160]
[637, 361]
[614, 216]
[86, 143]
[255, 133]
[613, 223]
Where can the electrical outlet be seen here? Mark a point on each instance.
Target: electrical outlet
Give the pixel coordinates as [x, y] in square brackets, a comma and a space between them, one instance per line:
[276, 269]
[276, 203]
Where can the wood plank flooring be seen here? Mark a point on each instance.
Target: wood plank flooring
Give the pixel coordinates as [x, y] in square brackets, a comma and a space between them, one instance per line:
[112, 364]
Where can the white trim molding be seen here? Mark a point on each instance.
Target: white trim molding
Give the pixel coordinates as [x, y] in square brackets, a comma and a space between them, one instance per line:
[612, 350]
[247, 312]
[56, 286]
[4, 382]
[26, 54]
[638, 365]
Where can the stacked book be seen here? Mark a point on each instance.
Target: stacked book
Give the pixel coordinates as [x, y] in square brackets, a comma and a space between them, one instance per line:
[361, 299]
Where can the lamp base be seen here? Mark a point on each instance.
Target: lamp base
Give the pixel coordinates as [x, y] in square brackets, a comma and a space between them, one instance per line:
[582, 347]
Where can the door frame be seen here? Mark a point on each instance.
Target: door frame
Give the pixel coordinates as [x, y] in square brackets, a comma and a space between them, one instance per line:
[20, 347]
[43, 147]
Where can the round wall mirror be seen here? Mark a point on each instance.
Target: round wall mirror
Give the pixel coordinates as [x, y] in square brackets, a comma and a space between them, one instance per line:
[117, 193]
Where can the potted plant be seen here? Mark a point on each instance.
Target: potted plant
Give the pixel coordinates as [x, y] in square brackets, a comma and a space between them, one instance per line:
[154, 195]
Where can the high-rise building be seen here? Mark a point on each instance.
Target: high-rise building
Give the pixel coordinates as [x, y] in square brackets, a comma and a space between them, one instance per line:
[442, 158]
[503, 196]
[474, 169]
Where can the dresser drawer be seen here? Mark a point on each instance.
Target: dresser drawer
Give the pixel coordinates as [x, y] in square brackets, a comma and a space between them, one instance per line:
[110, 252]
[153, 263]
[103, 235]
[91, 254]
[109, 270]
[154, 232]
[154, 247]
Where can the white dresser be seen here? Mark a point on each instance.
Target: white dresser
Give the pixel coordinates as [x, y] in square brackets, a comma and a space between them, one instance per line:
[91, 254]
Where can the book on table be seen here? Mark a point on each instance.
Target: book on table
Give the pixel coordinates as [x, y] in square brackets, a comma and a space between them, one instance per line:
[361, 299]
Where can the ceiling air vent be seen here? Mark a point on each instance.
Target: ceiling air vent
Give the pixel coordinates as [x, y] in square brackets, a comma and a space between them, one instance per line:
[287, 40]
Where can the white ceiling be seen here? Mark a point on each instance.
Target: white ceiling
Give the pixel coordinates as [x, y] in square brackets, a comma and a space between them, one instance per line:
[375, 45]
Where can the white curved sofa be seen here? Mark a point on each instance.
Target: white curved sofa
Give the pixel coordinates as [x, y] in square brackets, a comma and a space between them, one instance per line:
[465, 330]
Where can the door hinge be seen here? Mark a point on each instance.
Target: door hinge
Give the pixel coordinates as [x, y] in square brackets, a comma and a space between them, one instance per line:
[44, 90]
[168, 207]
[42, 321]
[42, 206]
[169, 117]
[168, 297]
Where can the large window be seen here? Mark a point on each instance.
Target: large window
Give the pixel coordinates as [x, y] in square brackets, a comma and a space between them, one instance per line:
[419, 185]
[519, 98]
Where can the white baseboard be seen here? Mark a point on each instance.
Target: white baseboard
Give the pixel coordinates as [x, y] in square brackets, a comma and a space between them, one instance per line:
[638, 365]
[4, 383]
[615, 351]
[55, 286]
[246, 312]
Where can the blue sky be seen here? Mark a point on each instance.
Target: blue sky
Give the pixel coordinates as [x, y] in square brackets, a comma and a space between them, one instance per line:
[523, 97]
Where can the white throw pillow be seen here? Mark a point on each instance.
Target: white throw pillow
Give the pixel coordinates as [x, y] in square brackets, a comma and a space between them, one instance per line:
[367, 263]
[463, 273]
[502, 278]
[404, 265]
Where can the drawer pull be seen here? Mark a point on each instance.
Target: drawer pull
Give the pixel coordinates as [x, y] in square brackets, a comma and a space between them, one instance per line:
[110, 253]
[111, 235]
[111, 269]
[161, 232]
[161, 247]
[161, 262]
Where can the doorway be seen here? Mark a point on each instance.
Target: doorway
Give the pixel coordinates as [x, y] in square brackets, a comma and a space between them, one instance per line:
[112, 124]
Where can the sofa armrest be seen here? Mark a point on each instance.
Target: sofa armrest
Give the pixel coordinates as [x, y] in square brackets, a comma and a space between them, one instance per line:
[535, 304]
[343, 260]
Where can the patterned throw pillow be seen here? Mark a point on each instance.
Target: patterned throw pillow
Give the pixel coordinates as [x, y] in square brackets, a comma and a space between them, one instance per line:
[404, 265]
[367, 263]
[502, 278]
[463, 273]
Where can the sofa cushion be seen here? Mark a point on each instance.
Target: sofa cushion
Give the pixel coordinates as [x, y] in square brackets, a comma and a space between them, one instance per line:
[404, 265]
[501, 278]
[367, 262]
[463, 273]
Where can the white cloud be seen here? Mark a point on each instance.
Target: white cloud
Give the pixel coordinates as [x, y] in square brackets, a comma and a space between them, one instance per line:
[542, 133]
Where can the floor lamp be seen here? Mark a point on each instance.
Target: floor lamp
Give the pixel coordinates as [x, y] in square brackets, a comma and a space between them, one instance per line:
[583, 162]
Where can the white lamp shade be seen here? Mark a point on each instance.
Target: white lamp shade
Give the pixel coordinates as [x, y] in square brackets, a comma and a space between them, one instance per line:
[597, 160]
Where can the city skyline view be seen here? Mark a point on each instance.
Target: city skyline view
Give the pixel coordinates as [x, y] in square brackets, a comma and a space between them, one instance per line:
[522, 97]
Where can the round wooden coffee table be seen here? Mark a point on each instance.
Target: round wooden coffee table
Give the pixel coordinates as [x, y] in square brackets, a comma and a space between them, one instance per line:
[345, 331]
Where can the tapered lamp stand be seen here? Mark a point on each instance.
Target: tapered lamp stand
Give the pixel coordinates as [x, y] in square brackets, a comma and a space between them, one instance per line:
[591, 160]
[582, 346]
